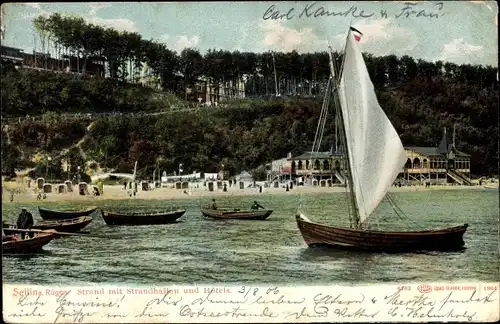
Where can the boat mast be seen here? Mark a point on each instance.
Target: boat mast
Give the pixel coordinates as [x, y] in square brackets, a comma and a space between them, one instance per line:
[332, 71]
[333, 68]
[343, 136]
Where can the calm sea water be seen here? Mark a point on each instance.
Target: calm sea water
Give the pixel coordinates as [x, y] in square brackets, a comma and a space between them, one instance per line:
[205, 251]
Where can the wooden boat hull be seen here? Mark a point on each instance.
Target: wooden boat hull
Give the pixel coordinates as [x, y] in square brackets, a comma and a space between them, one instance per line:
[28, 245]
[260, 214]
[48, 214]
[141, 219]
[447, 239]
[63, 225]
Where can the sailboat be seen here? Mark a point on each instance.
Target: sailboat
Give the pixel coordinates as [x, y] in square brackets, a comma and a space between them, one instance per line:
[374, 156]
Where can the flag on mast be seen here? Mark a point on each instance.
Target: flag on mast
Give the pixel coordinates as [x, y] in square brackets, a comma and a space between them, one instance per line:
[356, 33]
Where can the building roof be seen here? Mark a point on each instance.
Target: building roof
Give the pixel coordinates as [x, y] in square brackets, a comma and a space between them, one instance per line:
[315, 155]
[11, 48]
[424, 150]
[434, 151]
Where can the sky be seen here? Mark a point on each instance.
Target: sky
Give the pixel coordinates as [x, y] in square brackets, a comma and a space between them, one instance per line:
[463, 32]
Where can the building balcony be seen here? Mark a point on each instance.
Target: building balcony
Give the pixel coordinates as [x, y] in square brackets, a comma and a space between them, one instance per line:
[306, 172]
[432, 170]
[12, 58]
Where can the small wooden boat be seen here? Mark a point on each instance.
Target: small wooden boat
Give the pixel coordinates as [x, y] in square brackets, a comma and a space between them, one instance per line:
[158, 218]
[236, 213]
[54, 214]
[64, 225]
[28, 245]
[446, 239]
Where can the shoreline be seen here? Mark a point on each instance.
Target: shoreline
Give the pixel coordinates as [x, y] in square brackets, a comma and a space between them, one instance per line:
[116, 192]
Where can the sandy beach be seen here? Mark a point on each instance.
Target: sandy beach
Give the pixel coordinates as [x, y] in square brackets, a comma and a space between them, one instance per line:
[117, 192]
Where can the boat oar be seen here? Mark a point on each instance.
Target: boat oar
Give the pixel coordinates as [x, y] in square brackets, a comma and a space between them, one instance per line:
[47, 231]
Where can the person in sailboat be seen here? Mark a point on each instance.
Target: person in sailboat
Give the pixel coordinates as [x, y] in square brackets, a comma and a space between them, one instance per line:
[25, 221]
[256, 206]
[214, 205]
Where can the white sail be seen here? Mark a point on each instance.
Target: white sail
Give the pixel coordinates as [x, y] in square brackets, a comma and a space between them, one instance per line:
[376, 154]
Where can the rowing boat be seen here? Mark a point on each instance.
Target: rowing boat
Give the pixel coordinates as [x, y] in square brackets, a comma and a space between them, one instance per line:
[64, 225]
[28, 245]
[48, 214]
[144, 218]
[260, 214]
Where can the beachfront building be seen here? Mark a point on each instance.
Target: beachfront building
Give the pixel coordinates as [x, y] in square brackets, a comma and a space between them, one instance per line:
[436, 165]
[315, 168]
[425, 165]
[431, 165]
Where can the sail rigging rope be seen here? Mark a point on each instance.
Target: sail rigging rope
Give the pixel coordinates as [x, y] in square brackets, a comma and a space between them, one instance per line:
[340, 134]
[399, 212]
[318, 135]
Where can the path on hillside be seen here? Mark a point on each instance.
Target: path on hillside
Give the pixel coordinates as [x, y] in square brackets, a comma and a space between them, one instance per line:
[12, 120]
[78, 145]
[64, 151]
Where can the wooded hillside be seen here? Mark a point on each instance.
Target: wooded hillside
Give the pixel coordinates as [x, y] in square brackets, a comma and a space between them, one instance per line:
[420, 98]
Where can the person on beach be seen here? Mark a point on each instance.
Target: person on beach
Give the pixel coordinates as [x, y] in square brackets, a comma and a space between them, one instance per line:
[25, 221]
[256, 206]
[214, 205]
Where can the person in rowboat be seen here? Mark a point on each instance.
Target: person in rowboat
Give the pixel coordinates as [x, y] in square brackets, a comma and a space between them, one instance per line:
[256, 206]
[25, 221]
[4, 236]
[214, 205]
